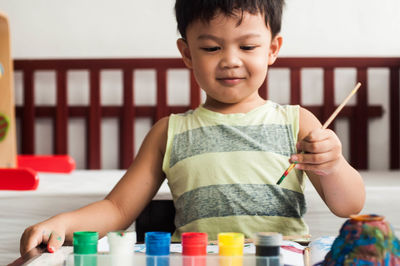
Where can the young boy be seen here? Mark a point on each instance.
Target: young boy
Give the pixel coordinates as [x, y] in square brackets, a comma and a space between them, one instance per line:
[223, 160]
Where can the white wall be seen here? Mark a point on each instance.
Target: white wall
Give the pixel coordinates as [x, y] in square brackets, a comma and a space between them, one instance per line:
[122, 28]
[342, 28]
[133, 28]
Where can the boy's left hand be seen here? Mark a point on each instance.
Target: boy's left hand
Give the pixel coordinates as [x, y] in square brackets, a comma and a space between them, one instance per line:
[320, 152]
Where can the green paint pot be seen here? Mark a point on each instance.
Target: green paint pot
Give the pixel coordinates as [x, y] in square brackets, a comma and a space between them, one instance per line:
[85, 248]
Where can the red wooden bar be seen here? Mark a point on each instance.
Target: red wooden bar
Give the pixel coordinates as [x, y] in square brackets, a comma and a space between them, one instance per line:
[161, 108]
[195, 94]
[126, 114]
[94, 120]
[126, 130]
[359, 154]
[295, 86]
[394, 118]
[329, 96]
[61, 115]
[28, 119]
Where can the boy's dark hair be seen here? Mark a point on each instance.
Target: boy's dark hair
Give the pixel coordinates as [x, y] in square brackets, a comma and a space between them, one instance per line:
[187, 11]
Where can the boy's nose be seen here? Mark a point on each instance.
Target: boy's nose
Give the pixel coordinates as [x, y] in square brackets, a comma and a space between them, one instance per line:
[230, 60]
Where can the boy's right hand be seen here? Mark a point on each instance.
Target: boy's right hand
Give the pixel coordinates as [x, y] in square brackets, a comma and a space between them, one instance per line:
[47, 233]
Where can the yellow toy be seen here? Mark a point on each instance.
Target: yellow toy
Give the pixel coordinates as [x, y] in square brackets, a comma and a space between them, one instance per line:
[8, 143]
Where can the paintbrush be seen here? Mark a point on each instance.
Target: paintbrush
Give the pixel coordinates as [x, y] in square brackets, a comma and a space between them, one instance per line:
[326, 124]
[306, 256]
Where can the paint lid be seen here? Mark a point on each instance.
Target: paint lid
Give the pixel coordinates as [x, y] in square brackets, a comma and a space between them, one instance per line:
[157, 243]
[85, 242]
[194, 243]
[270, 239]
[121, 241]
[366, 217]
[230, 244]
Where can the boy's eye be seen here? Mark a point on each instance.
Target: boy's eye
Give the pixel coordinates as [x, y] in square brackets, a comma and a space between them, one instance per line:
[211, 49]
[248, 47]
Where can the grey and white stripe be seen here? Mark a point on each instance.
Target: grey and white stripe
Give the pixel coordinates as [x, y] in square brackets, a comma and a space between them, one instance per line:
[273, 138]
[238, 200]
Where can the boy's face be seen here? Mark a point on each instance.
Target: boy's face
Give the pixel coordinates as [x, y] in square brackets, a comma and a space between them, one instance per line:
[230, 60]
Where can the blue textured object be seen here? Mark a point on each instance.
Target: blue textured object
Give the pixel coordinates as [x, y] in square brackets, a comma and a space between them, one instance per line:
[157, 243]
[157, 248]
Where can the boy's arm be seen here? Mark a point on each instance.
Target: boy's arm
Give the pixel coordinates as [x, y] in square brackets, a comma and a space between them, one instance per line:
[336, 181]
[135, 189]
[121, 206]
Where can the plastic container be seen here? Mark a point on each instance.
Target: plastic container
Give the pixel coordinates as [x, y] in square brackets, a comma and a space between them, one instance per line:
[231, 249]
[268, 248]
[121, 242]
[157, 248]
[122, 247]
[85, 248]
[194, 248]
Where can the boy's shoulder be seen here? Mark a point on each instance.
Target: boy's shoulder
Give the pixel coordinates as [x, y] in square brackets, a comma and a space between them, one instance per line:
[279, 105]
[161, 126]
[291, 110]
[188, 112]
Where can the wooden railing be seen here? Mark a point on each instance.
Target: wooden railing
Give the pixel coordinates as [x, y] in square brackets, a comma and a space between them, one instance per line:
[359, 114]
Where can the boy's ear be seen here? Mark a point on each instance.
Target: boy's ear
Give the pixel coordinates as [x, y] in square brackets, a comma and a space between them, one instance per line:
[274, 48]
[185, 52]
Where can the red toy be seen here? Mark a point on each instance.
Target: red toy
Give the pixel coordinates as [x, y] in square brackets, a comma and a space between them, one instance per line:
[47, 163]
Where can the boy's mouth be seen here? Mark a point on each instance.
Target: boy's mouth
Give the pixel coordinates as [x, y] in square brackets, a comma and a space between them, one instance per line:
[230, 81]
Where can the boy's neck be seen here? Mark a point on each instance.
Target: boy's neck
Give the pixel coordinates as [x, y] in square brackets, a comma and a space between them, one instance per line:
[233, 108]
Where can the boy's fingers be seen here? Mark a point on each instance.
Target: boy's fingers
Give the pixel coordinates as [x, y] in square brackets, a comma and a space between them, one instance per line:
[318, 135]
[313, 147]
[311, 158]
[31, 238]
[315, 135]
[46, 236]
[319, 169]
[55, 242]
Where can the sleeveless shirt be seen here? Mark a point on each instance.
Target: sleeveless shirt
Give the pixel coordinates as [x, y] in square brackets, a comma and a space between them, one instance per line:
[222, 170]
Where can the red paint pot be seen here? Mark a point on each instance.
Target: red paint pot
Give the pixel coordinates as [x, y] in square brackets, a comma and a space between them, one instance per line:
[194, 248]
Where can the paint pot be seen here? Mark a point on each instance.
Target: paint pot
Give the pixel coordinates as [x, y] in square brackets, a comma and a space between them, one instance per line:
[122, 246]
[268, 248]
[194, 248]
[85, 248]
[231, 249]
[121, 242]
[157, 248]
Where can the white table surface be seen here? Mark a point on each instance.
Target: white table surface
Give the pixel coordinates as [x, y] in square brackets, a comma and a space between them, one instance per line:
[64, 192]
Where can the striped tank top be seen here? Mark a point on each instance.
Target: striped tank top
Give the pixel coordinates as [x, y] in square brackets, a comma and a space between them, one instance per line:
[222, 170]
